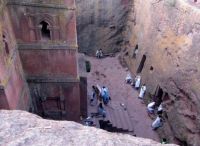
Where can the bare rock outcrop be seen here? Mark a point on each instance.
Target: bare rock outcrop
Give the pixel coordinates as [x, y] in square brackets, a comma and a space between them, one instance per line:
[20, 128]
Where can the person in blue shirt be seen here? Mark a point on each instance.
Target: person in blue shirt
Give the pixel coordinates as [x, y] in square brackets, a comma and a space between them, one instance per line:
[105, 95]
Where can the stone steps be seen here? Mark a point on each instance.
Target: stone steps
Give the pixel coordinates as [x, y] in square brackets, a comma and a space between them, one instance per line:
[118, 118]
[123, 120]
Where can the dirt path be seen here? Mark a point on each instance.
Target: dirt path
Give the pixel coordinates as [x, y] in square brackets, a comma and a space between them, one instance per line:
[108, 72]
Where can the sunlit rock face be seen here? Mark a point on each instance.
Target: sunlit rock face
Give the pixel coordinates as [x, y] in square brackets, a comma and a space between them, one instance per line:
[167, 36]
[100, 24]
[22, 128]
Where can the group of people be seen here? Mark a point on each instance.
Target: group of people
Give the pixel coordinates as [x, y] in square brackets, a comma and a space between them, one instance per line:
[99, 53]
[101, 96]
[136, 83]
[151, 107]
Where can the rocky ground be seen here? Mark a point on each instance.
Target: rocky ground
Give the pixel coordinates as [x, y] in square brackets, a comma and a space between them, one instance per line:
[109, 72]
[20, 128]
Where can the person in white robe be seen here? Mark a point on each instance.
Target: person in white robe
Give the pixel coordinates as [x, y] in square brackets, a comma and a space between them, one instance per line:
[100, 53]
[151, 107]
[137, 82]
[160, 109]
[128, 78]
[157, 123]
[142, 91]
[97, 54]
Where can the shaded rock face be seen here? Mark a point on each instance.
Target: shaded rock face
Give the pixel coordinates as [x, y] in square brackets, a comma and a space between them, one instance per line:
[167, 33]
[38, 64]
[22, 128]
[100, 24]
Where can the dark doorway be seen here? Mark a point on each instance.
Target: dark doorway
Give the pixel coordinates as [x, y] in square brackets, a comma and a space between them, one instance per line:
[88, 66]
[48, 107]
[158, 95]
[45, 30]
[140, 68]
[53, 107]
[6, 45]
[159, 92]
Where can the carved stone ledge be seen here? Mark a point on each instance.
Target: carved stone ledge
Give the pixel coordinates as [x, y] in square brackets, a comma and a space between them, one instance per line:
[47, 46]
[44, 5]
[40, 79]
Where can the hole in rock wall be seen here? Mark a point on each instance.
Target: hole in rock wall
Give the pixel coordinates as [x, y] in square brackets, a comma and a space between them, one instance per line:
[151, 68]
[126, 54]
[6, 45]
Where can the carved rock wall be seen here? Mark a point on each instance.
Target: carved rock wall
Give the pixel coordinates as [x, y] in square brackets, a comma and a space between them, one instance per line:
[100, 24]
[42, 35]
[14, 92]
[167, 33]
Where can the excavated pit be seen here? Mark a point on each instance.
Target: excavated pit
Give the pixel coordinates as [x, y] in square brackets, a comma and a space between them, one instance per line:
[158, 40]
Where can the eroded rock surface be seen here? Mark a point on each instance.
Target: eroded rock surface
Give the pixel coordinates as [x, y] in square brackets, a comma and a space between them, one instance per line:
[167, 33]
[100, 24]
[23, 128]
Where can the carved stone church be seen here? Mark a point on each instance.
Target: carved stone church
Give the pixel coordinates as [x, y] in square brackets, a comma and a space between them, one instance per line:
[38, 58]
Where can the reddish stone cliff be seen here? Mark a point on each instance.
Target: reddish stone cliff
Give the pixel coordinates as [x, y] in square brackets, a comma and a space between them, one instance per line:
[164, 49]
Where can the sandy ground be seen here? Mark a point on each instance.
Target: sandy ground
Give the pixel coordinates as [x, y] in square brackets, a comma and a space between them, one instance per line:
[109, 72]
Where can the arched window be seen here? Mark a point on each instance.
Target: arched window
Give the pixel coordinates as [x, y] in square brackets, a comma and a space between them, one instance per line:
[6, 45]
[45, 31]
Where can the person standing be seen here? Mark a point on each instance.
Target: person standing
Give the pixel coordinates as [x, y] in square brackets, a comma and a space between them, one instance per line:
[160, 109]
[128, 78]
[137, 82]
[105, 95]
[93, 96]
[142, 91]
[100, 53]
[97, 54]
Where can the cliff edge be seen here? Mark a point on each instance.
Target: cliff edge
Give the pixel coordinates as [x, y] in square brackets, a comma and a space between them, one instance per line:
[23, 128]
